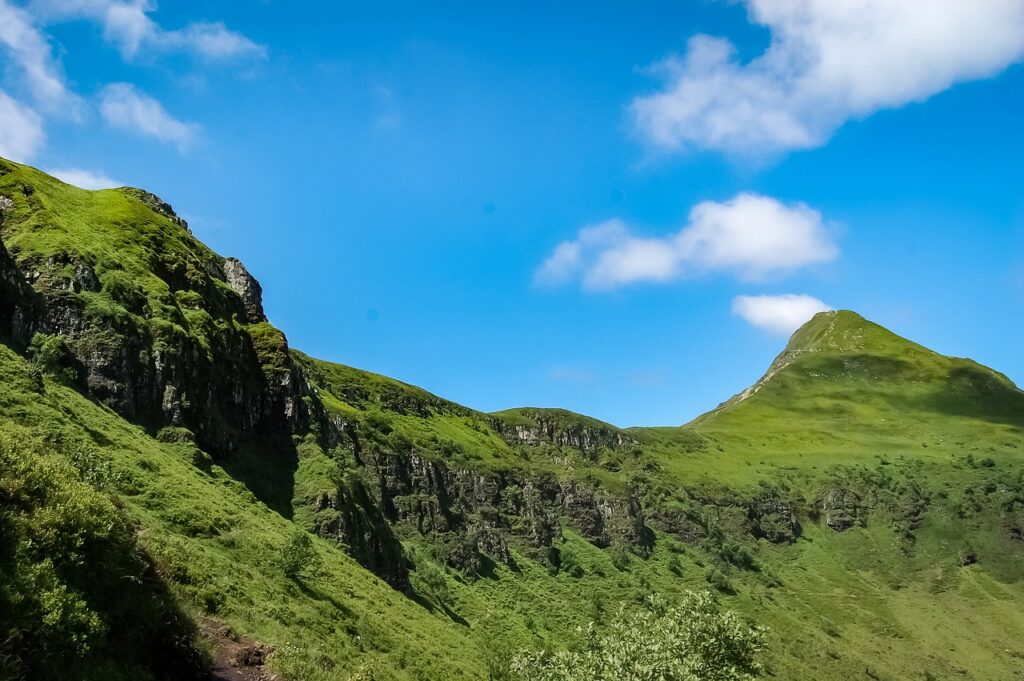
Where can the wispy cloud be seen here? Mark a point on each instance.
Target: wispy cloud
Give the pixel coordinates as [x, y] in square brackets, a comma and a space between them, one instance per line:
[564, 374]
[127, 25]
[86, 179]
[28, 49]
[21, 130]
[389, 115]
[828, 62]
[750, 236]
[782, 314]
[126, 108]
[36, 90]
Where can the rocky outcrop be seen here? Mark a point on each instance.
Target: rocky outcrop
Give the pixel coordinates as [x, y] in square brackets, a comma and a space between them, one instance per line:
[19, 304]
[247, 288]
[145, 356]
[157, 204]
[482, 510]
[352, 518]
[542, 429]
[697, 519]
[774, 519]
[842, 508]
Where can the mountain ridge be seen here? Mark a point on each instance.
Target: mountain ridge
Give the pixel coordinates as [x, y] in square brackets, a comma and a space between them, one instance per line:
[142, 364]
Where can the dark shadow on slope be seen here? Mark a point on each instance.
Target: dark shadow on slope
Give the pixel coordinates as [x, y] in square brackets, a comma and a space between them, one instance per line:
[968, 391]
[318, 595]
[976, 392]
[431, 606]
[267, 468]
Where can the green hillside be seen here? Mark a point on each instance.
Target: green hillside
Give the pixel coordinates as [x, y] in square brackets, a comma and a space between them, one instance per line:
[162, 445]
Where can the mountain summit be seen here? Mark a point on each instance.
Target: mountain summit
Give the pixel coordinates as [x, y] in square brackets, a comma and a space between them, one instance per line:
[859, 375]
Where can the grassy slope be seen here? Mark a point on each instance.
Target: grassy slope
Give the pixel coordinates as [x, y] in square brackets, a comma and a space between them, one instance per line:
[849, 404]
[849, 396]
[217, 547]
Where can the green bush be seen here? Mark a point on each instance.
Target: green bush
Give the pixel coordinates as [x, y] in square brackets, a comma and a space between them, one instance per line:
[50, 356]
[79, 599]
[717, 579]
[692, 641]
[299, 559]
[569, 561]
[620, 558]
[429, 580]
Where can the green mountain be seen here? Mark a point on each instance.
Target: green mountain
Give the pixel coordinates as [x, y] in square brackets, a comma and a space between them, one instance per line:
[164, 453]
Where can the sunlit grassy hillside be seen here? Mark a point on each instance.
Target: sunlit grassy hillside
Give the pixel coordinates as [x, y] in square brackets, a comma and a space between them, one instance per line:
[162, 444]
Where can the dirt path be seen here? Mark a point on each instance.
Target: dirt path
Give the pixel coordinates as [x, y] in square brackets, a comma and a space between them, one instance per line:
[235, 658]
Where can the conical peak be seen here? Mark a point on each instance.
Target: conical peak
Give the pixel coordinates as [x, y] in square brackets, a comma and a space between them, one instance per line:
[845, 331]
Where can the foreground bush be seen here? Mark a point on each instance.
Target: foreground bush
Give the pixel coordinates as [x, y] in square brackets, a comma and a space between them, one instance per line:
[692, 641]
[79, 599]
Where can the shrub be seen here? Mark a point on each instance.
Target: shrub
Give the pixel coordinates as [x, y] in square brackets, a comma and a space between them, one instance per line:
[50, 356]
[620, 558]
[570, 562]
[79, 598]
[299, 559]
[717, 579]
[429, 580]
[738, 555]
[692, 641]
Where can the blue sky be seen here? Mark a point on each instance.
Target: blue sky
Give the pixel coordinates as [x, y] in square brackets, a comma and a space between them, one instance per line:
[616, 208]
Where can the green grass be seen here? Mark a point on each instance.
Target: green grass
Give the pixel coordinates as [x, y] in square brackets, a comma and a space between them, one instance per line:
[848, 405]
[928, 580]
[216, 547]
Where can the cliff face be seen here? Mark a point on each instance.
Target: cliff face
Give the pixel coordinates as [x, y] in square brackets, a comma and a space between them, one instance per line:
[19, 304]
[157, 327]
[533, 427]
[472, 515]
[174, 337]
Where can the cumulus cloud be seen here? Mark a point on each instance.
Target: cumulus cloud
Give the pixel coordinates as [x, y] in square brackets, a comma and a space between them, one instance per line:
[85, 179]
[781, 314]
[21, 130]
[125, 107]
[127, 25]
[827, 62]
[36, 88]
[750, 236]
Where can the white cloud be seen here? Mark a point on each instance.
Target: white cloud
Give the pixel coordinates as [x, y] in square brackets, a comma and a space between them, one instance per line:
[85, 179]
[21, 130]
[36, 87]
[126, 108]
[781, 314]
[389, 116]
[750, 236]
[29, 49]
[212, 40]
[828, 62]
[127, 25]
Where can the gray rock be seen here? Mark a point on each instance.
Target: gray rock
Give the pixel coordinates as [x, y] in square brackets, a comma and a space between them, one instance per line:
[247, 288]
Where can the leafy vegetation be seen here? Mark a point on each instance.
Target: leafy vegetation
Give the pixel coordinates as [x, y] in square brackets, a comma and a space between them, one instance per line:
[79, 597]
[299, 559]
[691, 641]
